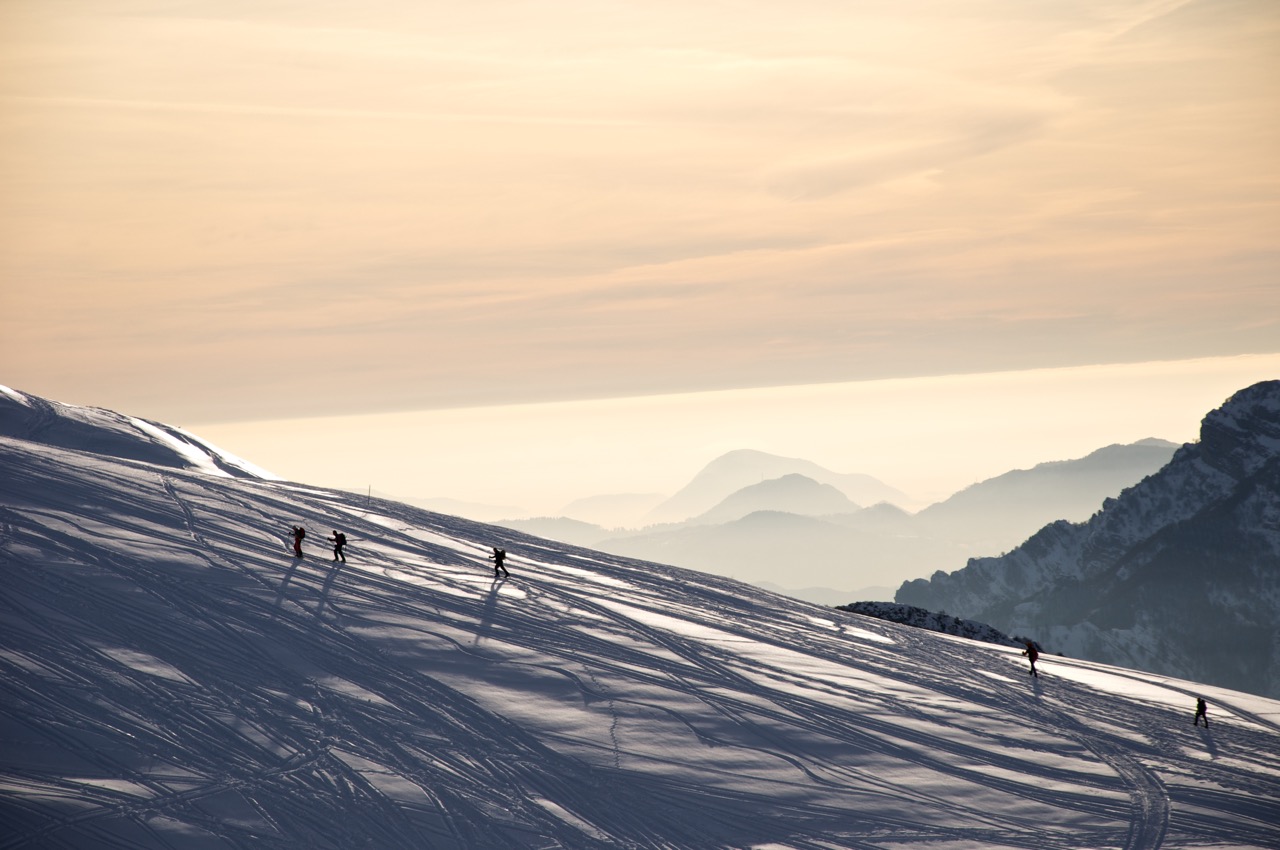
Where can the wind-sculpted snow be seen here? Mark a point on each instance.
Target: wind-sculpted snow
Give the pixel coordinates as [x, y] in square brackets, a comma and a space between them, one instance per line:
[105, 432]
[173, 678]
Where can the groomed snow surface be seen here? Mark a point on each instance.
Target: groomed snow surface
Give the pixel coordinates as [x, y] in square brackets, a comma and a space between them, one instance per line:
[173, 678]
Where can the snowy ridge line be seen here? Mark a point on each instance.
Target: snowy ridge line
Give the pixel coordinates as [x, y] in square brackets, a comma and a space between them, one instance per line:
[20, 398]
[127, 438]
[173, 677]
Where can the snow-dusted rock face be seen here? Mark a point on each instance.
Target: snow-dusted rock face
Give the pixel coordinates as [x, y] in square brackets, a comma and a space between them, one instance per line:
[1180, 574]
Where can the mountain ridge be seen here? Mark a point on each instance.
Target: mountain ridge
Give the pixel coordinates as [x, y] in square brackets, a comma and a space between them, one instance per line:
[881, 544]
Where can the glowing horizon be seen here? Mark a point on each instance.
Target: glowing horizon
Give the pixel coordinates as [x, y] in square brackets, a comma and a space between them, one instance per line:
[926, 436]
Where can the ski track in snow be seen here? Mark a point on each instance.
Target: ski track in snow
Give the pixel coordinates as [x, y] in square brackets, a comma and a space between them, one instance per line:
[173, 678]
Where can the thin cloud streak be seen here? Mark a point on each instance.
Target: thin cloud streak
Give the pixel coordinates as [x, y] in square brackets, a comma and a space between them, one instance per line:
[248, 109]
[927, 436]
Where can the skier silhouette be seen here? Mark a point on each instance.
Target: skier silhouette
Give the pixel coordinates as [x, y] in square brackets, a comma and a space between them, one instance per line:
[1201, 714]
[1032, 654]
[339, 543]
[498, 556]
[298, 533]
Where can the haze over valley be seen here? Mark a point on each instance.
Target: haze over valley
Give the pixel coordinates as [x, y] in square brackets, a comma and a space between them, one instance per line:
[834, 538]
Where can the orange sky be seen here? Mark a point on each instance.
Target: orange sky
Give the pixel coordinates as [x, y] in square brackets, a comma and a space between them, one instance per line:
[250, 210]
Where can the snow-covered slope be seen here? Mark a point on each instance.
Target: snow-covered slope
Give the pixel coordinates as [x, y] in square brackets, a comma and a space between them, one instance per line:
[173, 678]
[1180, 573]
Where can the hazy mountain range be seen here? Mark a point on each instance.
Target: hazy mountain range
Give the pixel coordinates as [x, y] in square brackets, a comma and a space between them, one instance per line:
[173, 678]
[737, 470]
[810, 538]
[1178, 574]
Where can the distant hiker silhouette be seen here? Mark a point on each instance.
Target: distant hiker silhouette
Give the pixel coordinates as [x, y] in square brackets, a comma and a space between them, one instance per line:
[1201, 708]
[298, 533]
[1032, 654]
[498, 556]
[339, 543]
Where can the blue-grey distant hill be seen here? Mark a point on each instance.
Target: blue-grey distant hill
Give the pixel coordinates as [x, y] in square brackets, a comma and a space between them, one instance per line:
[562, 528]
[794, 493]
[612, 510]
[786, 550]
[995, 515]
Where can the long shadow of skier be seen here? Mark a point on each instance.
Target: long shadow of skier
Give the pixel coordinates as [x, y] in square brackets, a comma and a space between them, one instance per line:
[1210, 746]
[284, 585]
[328, 585]
[486, 616]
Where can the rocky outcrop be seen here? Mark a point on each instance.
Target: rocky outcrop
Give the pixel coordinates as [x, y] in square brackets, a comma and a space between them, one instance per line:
[934, 621]
[1180, 574]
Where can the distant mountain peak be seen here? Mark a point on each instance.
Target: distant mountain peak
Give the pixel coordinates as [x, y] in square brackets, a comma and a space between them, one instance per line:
[791, 493]
[1244, 433]
[734, 470]
[1156, 442]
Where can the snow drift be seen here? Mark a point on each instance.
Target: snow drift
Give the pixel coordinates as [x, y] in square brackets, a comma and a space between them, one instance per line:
[172, 677]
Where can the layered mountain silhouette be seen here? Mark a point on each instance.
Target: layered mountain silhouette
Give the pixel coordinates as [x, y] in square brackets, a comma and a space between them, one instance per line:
[793, 493]
[834, 543]
[735, 470]
[1179, 573]
[997, 514]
